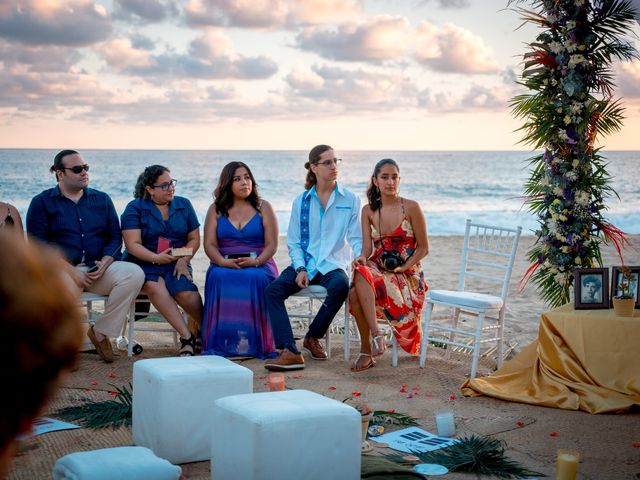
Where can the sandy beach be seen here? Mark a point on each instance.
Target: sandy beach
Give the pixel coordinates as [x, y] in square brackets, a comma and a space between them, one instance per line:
[608, 444]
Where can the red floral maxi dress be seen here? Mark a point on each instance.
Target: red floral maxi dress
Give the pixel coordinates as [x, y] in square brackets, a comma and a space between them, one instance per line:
[399, 296]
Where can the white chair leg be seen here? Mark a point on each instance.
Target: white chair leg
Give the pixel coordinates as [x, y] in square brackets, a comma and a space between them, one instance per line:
[394, 350]
[131, 329]
[425, 334]
[500, 348]
[476, 344]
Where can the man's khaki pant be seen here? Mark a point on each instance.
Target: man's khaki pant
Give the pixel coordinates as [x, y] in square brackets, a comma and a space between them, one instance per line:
[121, 282]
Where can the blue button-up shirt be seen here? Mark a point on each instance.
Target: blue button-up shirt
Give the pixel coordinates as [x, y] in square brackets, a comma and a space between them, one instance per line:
[331, 231]
[85, 231]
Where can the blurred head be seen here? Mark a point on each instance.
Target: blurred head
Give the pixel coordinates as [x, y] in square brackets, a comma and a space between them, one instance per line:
[41, 334]
[70, 169]
[322, 163]
[155, 183]
[385, 178]
[236, 183]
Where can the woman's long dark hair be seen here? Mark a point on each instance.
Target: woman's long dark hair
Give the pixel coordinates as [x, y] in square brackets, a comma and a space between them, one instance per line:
[373, 192]
[223, 195]
[314, 157]
[148, 178]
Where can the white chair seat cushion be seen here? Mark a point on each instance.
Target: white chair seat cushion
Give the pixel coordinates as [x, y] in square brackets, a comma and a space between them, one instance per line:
[467, 299]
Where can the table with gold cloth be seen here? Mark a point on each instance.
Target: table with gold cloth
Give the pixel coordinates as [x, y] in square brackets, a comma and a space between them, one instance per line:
[583, 360]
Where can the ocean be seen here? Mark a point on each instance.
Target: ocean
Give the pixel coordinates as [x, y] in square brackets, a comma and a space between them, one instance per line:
[450, 186]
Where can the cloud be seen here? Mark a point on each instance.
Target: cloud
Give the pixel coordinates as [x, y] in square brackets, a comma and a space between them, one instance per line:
[210, 56]
[452, 49]
[450, 3]
[382, 37]
[476, 98]
[145, 11]
[268, 14]
[628, 78]
[22, 58]
[44, 22]
[352, 89]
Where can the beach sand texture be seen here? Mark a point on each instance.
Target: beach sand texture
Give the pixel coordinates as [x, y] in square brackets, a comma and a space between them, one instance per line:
[608, 444]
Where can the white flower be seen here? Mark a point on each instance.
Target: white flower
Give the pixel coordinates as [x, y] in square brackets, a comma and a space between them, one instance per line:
[554, 82]
[555, 47]
[544, 181]
[579, 3]
[571, 176]
[557, 191]
[578, 261]
[582, 198]
[567, 119]
[571, 24]
[575, 108]
[575, 60]
[575, 163]
[562, 135]
[571, 46]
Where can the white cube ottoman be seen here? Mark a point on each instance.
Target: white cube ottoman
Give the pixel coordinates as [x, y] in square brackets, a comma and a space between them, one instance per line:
[173, 402]
[291, 434]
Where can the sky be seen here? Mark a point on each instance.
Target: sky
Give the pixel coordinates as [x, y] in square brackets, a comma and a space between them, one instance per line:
[269, 74]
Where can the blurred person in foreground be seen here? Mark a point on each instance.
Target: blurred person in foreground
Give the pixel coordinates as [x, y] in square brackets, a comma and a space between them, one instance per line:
[41, 335]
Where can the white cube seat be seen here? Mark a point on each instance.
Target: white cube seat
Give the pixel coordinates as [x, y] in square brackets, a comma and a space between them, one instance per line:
[173, 400]
[290, 434]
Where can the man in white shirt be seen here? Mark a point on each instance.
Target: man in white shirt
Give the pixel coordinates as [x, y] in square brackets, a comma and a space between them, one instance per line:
[324, 227]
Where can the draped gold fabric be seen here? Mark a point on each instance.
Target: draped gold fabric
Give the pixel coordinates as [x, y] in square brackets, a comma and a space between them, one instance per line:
[583, 360]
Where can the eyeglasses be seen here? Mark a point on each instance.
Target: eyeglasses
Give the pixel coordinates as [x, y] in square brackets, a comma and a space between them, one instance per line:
[78, 168]
[166, 186]
[328, 163]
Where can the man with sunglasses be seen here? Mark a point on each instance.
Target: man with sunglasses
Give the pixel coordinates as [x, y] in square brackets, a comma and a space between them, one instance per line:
[323, 230]
[83, 223]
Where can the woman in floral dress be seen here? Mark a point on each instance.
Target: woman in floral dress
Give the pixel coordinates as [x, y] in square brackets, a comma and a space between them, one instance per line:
[388, 283]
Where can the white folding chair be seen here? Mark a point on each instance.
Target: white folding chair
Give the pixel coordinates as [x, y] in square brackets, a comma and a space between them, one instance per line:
[486, 250]
[146, 326]
[313, 293]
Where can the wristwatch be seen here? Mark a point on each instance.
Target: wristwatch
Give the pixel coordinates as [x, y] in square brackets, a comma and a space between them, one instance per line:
[301, 269]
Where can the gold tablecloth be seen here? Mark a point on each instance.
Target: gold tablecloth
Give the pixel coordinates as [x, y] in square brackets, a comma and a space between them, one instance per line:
[583, 360]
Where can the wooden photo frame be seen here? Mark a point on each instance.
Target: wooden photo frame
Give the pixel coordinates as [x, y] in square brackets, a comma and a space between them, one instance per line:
[591, 288]
[616, 279]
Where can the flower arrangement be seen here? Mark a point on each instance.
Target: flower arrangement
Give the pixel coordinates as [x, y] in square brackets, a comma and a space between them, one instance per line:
[624, 288]
[568, 71]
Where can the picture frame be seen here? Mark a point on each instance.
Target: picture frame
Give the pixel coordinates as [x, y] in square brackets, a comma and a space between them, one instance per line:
[616, 279]
[591, 288]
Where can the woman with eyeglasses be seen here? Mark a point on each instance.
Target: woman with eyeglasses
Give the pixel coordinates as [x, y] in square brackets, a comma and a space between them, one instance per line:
[388, 283]
[240, 239]
[154, 225]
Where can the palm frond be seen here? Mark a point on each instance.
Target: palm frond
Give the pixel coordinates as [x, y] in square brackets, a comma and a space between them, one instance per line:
[96, 415]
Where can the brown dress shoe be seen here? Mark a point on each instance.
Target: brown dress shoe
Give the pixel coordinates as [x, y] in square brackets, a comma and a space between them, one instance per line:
[103, 347]
[314, 348]
[285, 361]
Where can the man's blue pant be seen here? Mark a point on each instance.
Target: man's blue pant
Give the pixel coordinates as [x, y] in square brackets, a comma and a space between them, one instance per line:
[337, 285]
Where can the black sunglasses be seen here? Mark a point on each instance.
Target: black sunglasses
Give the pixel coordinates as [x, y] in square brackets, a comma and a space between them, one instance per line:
[78, 168]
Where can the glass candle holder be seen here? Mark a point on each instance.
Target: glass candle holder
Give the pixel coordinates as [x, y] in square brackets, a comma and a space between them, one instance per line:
[276, 381]
[445, 422]
[567, 464]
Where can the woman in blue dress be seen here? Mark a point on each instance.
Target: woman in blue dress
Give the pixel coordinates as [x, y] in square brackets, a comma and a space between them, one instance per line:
[240, 239]
[154, 223]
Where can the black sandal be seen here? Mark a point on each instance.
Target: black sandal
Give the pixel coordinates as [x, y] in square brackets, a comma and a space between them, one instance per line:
[189, 342]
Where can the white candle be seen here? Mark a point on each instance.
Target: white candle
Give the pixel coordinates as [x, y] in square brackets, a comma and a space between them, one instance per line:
[567, 466]
[445, 423]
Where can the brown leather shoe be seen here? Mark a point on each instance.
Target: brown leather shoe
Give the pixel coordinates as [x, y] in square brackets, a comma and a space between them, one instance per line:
[314, 348]
[285, 361]
[103, 347]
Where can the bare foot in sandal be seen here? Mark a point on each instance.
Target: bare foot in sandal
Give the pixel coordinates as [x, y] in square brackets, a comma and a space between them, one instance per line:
[363, 362]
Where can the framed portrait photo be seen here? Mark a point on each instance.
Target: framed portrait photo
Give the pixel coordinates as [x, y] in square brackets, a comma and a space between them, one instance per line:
[591, 288]
[634, 285]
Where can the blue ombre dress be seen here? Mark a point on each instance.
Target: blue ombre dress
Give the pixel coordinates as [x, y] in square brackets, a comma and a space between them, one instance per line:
[235, 314]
